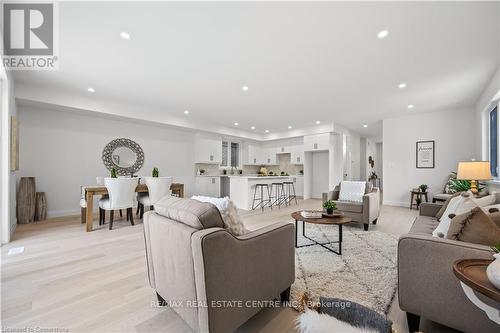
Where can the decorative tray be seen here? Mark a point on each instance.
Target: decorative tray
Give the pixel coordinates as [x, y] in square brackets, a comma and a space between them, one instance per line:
[311, 214]
[336, 213]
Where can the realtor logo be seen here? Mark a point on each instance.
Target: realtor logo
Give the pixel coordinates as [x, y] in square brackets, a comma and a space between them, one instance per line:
[30, 41]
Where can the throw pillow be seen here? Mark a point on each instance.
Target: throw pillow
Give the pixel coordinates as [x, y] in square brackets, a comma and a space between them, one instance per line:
[474, 227]
[445, 205]
[444, 223]
[352, 191]
[487, 200]
[229, 213]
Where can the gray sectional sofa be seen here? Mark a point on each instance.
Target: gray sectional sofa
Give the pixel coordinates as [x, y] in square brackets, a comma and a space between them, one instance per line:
[427, 285]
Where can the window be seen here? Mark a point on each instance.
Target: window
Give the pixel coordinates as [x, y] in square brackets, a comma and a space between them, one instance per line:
[230, 154]
[494, 142]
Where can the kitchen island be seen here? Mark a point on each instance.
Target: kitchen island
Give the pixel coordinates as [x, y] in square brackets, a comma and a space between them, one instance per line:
[242, 188]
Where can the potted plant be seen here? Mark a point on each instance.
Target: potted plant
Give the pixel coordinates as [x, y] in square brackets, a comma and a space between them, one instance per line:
[301, 172]
[114, 174]
[330, 206]
[156, 172]
[424, 187]
[202, 172]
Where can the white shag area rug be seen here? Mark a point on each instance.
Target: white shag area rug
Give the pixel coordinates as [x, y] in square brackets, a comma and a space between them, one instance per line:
[365, 273]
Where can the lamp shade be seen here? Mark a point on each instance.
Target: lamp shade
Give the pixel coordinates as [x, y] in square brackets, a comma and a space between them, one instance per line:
[477, 170]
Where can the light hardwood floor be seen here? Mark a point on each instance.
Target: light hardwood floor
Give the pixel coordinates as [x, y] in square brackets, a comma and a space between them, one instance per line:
[97, 281]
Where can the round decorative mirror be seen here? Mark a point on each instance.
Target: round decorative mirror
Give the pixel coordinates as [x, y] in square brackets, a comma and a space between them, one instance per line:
[125, 155]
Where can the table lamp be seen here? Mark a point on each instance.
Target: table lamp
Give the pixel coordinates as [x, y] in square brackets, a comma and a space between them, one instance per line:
[474, 171]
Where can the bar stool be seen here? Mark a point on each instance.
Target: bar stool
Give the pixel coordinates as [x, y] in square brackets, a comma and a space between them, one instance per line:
[261, 201]
[278, 194]
[289, 189]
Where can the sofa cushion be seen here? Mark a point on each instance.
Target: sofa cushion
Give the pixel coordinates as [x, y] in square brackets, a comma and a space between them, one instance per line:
[442, 196]
[348, 206]
[196, 214]
[445, 205]
[424, 225]
[476, 227]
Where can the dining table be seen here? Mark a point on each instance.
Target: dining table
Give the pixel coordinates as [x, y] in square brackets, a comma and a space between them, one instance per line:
[87, 213]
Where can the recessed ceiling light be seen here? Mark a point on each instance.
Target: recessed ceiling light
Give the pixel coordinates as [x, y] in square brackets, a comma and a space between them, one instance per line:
[365, 126]
[244, 88]
[402, 85]
[124, 35]
[318, 122]
[411, 106]
[90, 89]
[289, 127]
[267, 131]
[236, 124]
[252, 128]
[186, 111]
[382, 34]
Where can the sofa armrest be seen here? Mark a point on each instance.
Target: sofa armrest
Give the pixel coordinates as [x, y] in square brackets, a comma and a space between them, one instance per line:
[331, 195]
[429, 209]
[371, 206]
[428, 287]
[255, 267]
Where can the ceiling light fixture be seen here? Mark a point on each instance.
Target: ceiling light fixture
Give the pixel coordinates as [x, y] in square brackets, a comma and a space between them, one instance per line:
[252, 128]
[365, 126]
[411, 106]
[290, 127]
[91, 90]
[318, 122]
[267, 131]
[402, 85]
[124, 35]
[236, 124]
[244, 88]
[382, 34]
[186, 111]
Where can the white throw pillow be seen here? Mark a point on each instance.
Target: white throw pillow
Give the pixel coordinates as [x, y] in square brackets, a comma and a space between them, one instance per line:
[313, 322]
[488, 200]
[444, 223]
[229, 213]
[352, 191]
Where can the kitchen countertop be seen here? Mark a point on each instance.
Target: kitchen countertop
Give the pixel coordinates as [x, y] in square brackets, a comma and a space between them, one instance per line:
[248, 176]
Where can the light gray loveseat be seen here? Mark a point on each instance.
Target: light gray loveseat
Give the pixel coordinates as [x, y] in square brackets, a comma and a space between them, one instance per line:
[209, 277]
[364, 212]
[427, 286]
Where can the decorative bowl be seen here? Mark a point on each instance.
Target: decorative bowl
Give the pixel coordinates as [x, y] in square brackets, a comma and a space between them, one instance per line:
[493, 271]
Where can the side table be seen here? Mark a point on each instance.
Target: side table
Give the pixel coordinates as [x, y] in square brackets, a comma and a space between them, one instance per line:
[414, 194]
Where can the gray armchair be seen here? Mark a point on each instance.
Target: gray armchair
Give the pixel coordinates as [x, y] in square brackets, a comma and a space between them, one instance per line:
[364, 212]
[197, 267]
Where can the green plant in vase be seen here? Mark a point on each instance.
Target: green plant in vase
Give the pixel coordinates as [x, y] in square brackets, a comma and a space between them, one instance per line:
[330, 206]
[496, 248]
[156, 172]
[424, 187]
[114, 174]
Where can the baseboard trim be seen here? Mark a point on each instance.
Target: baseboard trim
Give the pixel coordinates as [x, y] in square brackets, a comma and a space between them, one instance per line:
[59, 213]
[396, 203]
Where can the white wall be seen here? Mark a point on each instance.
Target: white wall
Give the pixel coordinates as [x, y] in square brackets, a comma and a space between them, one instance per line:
[320, 171]
[7, 177]
[490, 95]
[63, 151]
[453, 132]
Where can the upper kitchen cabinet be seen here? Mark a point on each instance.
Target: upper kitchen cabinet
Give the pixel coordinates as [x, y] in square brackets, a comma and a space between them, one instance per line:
[269, 156]
[208, 149]
[297, 154]
[254, 154]
[317, 142]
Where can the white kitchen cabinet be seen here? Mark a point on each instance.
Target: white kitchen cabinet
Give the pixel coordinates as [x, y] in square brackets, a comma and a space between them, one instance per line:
[269, 156]
[254, 155]
[297, 155]
[299, 186]
[208, 149]
[207, 186]
[317, 142]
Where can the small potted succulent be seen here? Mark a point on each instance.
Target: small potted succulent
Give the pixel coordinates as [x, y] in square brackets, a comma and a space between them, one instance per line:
[423, 188]
[330, 206]
[114, 174]
[156, 172]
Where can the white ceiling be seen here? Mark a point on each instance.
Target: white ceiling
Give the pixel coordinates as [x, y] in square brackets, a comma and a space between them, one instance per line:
[302, 62]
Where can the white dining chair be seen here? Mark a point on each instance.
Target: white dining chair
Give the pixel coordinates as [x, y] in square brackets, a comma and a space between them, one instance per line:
[158, 188]
[121, 196]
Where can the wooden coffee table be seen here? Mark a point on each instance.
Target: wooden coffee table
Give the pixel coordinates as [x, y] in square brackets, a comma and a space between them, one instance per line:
[325, 220]
[472, 276]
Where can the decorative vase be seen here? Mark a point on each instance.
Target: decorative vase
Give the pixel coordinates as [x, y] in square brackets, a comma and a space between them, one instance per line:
[329, 211]
[26, 200]
[493, 271]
